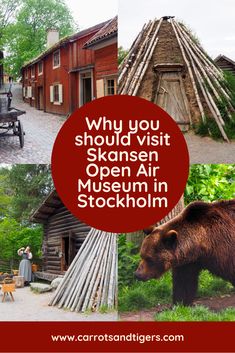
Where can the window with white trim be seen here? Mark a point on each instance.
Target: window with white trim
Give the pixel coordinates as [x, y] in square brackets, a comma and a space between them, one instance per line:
[40, 68]
[33, 92]
[56, 94]
[29, 92]
[56, 59]
[33, 71]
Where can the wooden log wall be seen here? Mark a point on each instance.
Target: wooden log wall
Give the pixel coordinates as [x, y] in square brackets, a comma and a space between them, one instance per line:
[61, 224]
[226, 65]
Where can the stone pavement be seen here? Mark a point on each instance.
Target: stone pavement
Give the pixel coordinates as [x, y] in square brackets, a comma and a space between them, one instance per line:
[40, 132]
[29, 306]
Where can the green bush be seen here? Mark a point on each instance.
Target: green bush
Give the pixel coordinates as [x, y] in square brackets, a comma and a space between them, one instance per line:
[209, 127]
[210, 285]
[145, 294]
[210, 182]
[128, 260]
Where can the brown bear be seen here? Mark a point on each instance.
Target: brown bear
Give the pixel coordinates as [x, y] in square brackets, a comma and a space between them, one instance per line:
[201, 237]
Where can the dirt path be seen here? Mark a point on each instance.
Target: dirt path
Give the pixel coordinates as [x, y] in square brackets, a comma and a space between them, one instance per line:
[215, 304]
[29, 306]
[206, 150]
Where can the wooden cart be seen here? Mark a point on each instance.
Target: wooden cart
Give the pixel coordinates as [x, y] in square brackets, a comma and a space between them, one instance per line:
[10, 125]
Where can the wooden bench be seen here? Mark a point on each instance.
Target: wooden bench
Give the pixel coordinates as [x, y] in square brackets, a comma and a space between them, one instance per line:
[8, 289]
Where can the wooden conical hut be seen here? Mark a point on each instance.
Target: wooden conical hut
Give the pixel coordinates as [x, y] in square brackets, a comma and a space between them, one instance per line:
[167, 65]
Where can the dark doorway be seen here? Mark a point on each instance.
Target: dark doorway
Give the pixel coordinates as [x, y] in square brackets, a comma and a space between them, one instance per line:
[40, 98]
[68, 250]
[86, 88]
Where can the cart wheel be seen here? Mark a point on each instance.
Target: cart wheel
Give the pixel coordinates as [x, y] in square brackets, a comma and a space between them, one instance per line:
[21, 133]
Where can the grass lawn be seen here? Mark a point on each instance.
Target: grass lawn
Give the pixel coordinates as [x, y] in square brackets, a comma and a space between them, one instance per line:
[143, 295]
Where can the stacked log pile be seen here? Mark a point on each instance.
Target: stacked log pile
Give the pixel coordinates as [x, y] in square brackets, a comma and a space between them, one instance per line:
[206, 78]
[90, 283]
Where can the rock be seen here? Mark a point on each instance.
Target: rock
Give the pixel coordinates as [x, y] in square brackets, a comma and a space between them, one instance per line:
[55, 283]
[40, 287]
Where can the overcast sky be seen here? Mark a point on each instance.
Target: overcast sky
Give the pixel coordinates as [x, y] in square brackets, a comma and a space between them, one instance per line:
[90, 12]
[212, 21]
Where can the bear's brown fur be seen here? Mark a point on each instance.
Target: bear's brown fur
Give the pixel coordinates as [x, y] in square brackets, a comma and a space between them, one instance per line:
[201, 237]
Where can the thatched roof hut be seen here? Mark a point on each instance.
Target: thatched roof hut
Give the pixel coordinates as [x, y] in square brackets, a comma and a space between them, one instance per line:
[168, 66]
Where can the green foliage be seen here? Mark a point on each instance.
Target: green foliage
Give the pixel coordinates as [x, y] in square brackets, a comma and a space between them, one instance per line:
[8, 11]
[26, 37]
[5, 193]
[122, 53]
[36, 179]
[230, 82]
[128, 259]
[198, 313]
[210, 182]
[213, 286]
[210, 128]
[142, 295]
[13, 236]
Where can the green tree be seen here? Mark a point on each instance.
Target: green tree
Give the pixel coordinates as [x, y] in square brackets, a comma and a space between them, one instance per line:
[122, 53]
[8, 10]
[30, 184]
[13, 236]
[26, 38]
[5, 193]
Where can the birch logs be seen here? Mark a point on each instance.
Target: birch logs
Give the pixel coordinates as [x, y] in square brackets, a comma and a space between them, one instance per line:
[91, 280]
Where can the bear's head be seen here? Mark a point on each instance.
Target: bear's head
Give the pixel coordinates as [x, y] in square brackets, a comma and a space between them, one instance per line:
[177, 242]
[157, 253]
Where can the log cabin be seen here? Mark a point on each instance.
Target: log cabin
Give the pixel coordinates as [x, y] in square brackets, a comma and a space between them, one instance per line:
[63, 77]
[63, 235]
[225, 63]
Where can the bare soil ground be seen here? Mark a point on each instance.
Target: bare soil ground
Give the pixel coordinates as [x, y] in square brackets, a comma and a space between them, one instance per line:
[215, 304]
[206, 150]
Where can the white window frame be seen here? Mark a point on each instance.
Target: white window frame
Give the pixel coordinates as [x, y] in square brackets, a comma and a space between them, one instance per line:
[33, 66]
[29, 92]
[55, 66]
[60, 91]
[33, 89]
[40, 73]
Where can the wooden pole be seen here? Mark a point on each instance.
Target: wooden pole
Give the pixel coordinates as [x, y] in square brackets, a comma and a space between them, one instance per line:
[91, 280]
[200, 106]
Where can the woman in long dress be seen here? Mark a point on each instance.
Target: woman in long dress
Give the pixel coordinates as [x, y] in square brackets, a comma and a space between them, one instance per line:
[25, 268]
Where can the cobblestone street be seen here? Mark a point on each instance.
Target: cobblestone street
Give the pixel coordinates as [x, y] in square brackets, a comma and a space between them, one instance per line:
[40, 133]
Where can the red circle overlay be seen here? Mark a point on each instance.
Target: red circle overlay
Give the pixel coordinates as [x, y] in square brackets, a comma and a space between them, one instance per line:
[168, 164]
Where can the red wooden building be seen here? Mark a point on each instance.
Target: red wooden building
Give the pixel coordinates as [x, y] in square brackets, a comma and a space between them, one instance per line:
[64, 76]
[104, 44]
